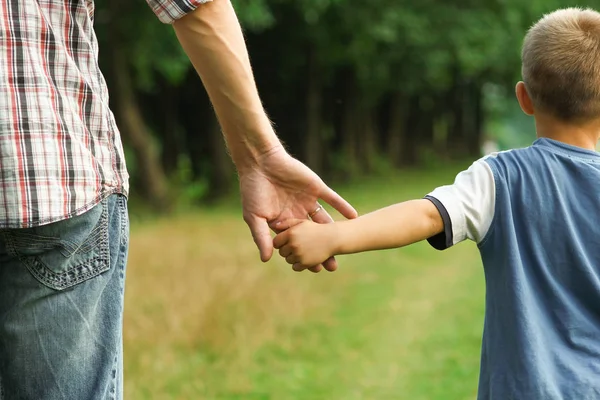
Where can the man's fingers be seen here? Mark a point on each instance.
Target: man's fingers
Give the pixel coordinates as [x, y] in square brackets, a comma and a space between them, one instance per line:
[285, 251]
[292, 259]
[262, 236]
[336, 201]
[281, 240]
[299, 267]
[316, 269]
[281, 226]
[322, 217]
[330, 264]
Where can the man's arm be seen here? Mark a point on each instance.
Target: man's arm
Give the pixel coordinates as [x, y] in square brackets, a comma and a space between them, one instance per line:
[212, 38]
[274, 186]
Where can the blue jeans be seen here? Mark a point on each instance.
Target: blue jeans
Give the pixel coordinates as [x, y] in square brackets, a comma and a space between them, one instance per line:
[61, 307]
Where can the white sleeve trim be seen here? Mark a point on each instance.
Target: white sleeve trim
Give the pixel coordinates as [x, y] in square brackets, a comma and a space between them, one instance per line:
[470, 202]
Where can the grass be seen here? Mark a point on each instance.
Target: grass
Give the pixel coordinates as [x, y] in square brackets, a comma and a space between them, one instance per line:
[205, 319]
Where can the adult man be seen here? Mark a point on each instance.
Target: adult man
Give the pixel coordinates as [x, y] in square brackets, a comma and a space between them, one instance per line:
[63, 182]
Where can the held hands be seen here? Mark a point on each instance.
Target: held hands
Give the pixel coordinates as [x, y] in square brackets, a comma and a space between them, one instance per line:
[279, 188]
[306, 244]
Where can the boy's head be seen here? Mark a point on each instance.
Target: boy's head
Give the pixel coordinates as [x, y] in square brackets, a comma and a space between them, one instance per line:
[561, 66]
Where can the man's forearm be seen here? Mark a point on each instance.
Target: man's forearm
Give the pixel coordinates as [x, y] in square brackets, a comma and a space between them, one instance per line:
[391, 227]
[213, 40]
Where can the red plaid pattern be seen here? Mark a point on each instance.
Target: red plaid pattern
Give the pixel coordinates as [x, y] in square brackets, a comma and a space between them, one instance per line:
[60, 149]
[168, 11]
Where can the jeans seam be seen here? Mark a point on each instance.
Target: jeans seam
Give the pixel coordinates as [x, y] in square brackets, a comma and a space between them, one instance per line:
[114, 384]
[123, 213]
[120, 264]
[44, 242]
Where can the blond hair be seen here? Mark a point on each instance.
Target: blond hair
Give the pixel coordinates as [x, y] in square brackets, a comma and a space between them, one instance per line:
[561, 64]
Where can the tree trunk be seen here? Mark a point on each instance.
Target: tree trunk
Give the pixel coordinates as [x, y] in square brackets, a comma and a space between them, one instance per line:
[396, 131]
[196, 130]
[457, 136]
[425, 125]
[367, 142]
[171, 135]
[410, 151]
[474, 145]
[313, 143]
[349, 125]
[221, 167]
[153, 183]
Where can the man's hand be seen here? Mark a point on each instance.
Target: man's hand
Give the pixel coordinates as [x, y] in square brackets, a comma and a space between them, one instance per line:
[306, 244]
[275, 187]
[279, 188]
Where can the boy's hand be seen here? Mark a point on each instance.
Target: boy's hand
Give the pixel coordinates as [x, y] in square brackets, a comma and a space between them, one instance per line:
[306, 243]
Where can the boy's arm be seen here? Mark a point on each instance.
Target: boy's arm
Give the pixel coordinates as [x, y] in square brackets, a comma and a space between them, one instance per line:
[447, 216]
[391, 227]
[307, 243]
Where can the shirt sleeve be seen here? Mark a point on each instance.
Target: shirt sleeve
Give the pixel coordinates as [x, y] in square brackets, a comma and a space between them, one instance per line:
[169, 11]
[467, 206]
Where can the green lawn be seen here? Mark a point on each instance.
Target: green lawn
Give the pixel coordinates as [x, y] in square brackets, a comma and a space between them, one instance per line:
[206, 320]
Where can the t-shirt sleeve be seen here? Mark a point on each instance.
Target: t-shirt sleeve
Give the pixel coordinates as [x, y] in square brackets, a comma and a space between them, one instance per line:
[467, 206]
[169, 11]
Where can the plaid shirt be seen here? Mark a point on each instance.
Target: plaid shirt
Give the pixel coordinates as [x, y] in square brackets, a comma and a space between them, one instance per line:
[60, 149]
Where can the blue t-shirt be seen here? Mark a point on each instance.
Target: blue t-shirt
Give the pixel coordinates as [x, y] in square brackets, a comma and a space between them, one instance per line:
[534, 214]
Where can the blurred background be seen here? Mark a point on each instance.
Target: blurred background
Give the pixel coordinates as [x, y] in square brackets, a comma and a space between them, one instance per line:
[386, 99]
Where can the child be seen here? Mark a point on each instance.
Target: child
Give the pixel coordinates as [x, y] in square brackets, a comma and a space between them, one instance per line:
[534, 214]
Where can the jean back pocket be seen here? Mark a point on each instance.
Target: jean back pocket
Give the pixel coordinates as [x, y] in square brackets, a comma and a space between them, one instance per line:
[65, 253]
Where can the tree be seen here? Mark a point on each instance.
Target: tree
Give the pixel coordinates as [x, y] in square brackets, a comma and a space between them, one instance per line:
[348, 83]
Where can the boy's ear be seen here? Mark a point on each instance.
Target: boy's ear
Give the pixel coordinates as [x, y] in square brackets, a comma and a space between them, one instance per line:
[524, 99]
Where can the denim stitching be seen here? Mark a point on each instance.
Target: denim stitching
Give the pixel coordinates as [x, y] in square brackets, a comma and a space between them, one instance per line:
[43, 243]
[90, 242]
[61, 281]
[114, 383]
[120, 264]
[124, 220]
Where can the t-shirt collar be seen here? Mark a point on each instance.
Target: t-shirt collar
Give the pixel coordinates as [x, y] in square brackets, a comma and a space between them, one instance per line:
[565, 148]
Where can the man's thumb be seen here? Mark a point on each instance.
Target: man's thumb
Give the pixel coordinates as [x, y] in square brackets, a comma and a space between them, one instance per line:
[262, 237]
[281, 226]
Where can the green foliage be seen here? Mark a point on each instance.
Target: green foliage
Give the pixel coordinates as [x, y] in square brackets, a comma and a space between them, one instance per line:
[159, 54]
[152, 48]
[410, 45]
[188, 191]
[255, 15]
[443, 56]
